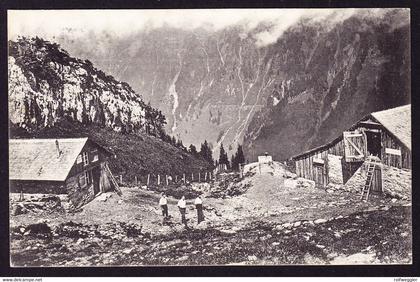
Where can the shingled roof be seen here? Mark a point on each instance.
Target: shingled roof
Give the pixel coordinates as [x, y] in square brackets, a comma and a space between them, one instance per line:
[38, 159]
[398, 122]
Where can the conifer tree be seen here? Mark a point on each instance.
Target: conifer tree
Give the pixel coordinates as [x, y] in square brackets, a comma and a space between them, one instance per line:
[223, 157]
[206, 152]
[193, 150]
[240, 157]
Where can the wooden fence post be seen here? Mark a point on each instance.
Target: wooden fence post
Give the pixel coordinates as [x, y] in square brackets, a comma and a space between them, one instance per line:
[158, 179]
[176, 178]
[135, 179]
[199, 177]
[183, 177]
[192, 176]
[167, 180]
[120, 178]
[205, 176]
[148, 179]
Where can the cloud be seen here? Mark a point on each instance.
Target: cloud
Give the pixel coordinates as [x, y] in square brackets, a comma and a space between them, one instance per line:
[281, 24]
[50, 23]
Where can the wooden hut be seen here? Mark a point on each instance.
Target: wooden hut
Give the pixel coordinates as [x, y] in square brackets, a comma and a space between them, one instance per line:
[77, 167]
[385, 134]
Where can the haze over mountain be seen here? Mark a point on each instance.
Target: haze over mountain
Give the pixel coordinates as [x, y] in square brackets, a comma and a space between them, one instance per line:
[280, 81]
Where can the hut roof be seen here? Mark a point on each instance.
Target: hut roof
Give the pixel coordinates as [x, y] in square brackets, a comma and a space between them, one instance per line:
[398, 122]
[38, 159]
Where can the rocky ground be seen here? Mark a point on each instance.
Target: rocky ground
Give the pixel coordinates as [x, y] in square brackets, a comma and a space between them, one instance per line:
[269, 217]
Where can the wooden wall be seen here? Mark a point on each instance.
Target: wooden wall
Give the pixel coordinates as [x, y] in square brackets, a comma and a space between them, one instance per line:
[377, 180]
[319, 173]
[403, 161]
[37, 187]
[305, 168]
[337, 149]
[92, 150]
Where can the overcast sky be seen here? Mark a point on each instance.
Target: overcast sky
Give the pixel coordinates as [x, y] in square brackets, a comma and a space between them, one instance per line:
[49, 23]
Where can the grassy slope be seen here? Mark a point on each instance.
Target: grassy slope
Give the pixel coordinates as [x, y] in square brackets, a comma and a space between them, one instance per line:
[135, 154]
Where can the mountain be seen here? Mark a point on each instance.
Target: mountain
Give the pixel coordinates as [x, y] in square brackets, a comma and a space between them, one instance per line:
[315, 80]
[331, 80]
[46, 84]
[52, 94]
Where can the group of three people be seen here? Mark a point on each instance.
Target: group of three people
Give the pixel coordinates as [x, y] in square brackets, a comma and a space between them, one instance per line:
[182, 205]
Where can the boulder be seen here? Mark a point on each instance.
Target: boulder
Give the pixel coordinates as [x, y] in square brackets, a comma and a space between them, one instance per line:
[252, 258]
[183, 258]
[127, 251]
[287, 225]
[320, 220]
[202, 225]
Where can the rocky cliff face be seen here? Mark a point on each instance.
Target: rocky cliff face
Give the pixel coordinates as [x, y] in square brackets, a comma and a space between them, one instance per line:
[314, 81]
[53, 95]
[331, 80]
[46, 84]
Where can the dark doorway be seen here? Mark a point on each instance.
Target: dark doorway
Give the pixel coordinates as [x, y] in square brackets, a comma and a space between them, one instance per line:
[373, 143]
[95, 176]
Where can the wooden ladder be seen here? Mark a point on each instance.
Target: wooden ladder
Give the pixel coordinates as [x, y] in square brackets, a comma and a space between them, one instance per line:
[369, 179]
[114, 182]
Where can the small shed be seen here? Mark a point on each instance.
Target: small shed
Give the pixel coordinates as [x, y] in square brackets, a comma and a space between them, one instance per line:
[266, 159]
[384, 134]
[77, 167]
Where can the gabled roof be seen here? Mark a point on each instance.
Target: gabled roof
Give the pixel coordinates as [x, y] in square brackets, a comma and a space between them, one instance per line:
[398, 122]
[38, 159]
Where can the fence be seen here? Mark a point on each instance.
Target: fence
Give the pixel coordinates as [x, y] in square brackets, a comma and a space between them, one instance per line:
[166, 179]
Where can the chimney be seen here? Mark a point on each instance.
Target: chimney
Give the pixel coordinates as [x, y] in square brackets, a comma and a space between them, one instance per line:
[58, 148]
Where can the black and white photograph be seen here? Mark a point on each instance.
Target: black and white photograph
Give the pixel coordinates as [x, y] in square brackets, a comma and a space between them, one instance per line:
[209, 137]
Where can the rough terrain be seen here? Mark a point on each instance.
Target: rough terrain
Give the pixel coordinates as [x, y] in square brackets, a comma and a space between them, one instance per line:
[277, 219]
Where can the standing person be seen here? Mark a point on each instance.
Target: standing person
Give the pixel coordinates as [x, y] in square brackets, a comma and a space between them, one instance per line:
[199, 206]
[163, 203]
[182, 205]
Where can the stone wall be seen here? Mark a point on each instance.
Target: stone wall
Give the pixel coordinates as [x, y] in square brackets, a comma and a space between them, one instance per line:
[78, 196]
[395, 182]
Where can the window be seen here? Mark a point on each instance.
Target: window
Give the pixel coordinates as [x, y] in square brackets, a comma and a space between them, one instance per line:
[95, 155]
[95, 158]
[85, 157]
[88, 175]
[79, 159]
[85, 178]
[82, 180]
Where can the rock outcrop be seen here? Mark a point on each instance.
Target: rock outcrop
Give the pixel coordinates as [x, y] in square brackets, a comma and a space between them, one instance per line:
[46, 84]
